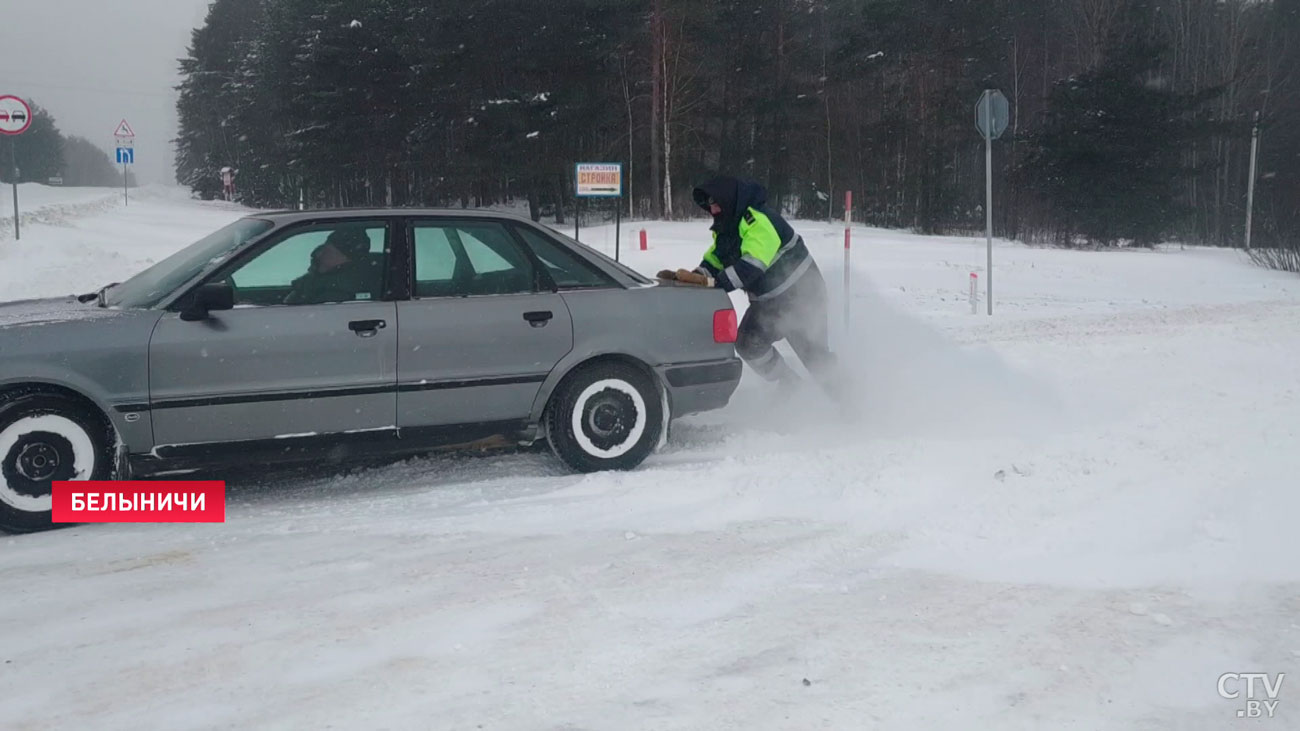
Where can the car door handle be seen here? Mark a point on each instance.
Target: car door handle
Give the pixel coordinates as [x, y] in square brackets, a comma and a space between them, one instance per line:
[539, 319]
[367, 328]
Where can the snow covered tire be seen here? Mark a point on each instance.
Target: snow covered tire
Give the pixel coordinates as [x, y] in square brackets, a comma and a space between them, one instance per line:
[46, 437]
[605, 416]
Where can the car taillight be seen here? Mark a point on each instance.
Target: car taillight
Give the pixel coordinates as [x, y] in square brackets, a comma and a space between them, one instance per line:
[724, 326]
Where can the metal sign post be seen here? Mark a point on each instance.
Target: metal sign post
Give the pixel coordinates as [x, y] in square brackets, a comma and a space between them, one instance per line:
[13, 157]
[1250, 188]
[125, 156]
[125, 137]
[599, 180]
[988, 213]
[992, 114]
[15, 118]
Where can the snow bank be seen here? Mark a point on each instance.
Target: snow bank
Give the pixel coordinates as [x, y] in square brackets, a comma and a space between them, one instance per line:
[80, 242]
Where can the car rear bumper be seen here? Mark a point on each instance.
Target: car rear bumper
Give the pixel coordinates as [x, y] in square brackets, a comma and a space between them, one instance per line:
[697, 387]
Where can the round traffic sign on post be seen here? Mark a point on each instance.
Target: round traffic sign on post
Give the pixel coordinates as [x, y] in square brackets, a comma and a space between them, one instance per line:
[15, 118]
[15, 115]
[992, 115]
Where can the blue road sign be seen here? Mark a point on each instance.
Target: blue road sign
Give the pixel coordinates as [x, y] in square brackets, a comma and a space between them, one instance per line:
[126, 156]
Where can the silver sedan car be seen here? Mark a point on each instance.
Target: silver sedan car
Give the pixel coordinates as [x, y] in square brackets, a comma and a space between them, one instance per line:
[313, 335]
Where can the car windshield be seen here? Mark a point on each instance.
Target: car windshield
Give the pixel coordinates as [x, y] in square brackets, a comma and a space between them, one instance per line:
[149, 287]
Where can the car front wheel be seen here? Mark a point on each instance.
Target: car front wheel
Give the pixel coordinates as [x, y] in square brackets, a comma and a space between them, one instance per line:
[45, 437]
[605, 416]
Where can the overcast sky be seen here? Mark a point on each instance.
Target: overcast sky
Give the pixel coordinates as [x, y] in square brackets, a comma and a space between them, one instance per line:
[92, 63]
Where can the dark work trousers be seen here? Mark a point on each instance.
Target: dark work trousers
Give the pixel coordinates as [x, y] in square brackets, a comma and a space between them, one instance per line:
[797, 315]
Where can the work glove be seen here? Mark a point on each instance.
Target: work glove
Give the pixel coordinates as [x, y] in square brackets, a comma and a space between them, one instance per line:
[689, 277]
[667, 274]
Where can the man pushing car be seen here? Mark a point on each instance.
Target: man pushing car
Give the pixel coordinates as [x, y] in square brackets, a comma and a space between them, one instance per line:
[755, 250]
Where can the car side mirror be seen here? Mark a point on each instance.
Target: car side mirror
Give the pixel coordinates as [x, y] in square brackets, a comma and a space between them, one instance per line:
[209, 298]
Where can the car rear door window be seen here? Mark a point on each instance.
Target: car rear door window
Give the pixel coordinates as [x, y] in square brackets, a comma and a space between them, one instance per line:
[435, 262]
[462, 259]
[567, 269]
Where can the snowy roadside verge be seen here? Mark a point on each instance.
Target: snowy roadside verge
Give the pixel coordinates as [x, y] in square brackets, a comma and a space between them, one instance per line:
[40, 204]
[79, 243]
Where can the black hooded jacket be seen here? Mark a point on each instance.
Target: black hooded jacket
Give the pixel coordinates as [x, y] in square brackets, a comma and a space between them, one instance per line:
[754, 249]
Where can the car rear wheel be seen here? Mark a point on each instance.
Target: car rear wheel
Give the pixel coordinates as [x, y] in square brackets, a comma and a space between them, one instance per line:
[605, 416]
[45, 437]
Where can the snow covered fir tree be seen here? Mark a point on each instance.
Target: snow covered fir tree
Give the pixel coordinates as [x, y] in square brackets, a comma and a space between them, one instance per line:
[397, 102]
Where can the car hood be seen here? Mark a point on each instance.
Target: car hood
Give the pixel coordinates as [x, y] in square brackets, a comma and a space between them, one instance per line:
[26, 313]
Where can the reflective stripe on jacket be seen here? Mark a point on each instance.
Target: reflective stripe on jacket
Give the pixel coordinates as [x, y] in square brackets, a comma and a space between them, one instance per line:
[766, 262]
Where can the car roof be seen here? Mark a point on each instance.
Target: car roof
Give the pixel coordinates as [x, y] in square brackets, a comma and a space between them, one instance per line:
[317, 214]
[620, 271]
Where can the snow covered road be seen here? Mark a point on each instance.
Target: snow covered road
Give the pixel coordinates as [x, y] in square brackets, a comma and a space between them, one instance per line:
[1076, 514]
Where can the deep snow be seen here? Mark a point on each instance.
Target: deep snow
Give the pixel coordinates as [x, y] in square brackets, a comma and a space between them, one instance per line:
[1075, 514]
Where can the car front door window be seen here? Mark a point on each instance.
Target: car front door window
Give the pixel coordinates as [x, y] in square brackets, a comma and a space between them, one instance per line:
[328, 264]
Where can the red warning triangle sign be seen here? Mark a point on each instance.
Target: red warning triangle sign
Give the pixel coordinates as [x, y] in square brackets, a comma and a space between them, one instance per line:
[124, 130]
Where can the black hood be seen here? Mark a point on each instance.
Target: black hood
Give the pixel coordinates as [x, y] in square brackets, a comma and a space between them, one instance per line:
[735, 196]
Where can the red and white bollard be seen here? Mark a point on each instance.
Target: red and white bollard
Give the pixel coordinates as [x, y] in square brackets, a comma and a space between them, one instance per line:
[848, 237]
[974, 293]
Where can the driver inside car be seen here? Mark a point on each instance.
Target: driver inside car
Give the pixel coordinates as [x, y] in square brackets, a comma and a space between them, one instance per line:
[340, 271]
